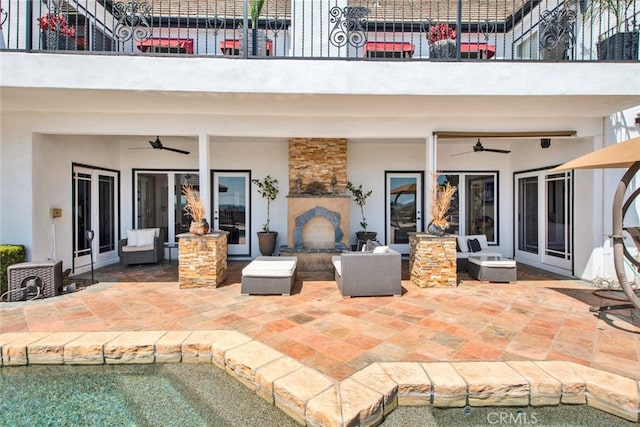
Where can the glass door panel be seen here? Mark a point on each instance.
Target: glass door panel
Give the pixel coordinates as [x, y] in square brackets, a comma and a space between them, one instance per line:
[95, 210]
[481, 207]
[106, 214]
[558, 214]
[231, 209]
[82, 214]
[528, 214]
[182, 219]
[403, 208]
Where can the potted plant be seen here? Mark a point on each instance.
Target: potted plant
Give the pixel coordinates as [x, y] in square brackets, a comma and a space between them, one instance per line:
[257, 39]
[620, 41]
[441, 197]
[360, 196]
[268, 189]
[56, 33]
[195, 208]
[442, 41]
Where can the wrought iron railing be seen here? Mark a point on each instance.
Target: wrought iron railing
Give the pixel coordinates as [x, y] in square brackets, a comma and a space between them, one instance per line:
[449, 30]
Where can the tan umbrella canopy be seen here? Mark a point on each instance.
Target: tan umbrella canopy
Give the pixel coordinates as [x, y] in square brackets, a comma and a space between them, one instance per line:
[621, 155]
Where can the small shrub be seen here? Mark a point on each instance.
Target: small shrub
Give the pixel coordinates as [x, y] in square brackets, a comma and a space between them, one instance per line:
[9, 255]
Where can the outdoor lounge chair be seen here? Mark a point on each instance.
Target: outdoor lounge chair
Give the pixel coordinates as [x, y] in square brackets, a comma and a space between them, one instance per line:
[360, 274]
[142, 246]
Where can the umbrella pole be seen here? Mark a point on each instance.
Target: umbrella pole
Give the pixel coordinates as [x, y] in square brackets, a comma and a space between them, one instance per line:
[618, 244]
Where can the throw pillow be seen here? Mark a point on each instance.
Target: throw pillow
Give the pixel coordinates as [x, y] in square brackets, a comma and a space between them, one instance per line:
[132, 238]
[372, 244]
[380, 249]
[145, 237]
[474, 245]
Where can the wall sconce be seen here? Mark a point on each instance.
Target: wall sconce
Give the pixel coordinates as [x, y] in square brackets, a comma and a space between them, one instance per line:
[545, 142]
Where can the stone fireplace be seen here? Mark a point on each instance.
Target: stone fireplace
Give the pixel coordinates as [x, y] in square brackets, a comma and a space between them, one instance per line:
[318, 205]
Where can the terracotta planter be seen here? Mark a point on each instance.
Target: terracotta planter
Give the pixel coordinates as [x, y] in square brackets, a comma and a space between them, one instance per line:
[267, 242]
[366, 235]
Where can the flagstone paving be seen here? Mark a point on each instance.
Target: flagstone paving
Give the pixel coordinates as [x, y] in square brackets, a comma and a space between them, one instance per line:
[542, 317]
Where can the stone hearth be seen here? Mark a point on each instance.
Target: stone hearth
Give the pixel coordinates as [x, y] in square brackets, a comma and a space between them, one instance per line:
[318, 228]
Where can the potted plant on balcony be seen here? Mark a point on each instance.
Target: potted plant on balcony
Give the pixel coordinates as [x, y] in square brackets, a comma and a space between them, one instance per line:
[268, 189]
[56, 33]
[360, 196]
[442, 41]
[257, 43]
[620, 41]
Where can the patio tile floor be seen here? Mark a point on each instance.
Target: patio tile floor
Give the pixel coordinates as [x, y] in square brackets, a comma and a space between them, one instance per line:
[541, 317]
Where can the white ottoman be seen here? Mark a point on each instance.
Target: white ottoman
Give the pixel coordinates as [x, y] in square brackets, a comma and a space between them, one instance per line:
[267, 275]
[492, 269]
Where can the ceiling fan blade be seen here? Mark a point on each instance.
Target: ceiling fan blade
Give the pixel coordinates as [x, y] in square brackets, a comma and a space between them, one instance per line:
[496, 150]
[139, 148]
[177, 150]
[459, 154]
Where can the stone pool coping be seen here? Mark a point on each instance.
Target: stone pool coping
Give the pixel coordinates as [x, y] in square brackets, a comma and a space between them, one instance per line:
[314, 399]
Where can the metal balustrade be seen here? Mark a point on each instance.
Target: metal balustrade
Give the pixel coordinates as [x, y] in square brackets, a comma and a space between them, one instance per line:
[443, 30]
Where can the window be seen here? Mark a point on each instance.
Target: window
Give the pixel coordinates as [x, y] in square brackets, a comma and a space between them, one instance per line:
[528, 48]
[474, 207]
[477, 50]
[388, 50]
[231, 47]
[166, 45]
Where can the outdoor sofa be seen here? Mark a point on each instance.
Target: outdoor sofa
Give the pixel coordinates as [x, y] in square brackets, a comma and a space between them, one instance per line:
[464, 250]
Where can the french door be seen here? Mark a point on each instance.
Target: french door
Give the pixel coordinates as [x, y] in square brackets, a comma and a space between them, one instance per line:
[160, 202]
[403, 208]
[230, 207]
[95, 217]
[544, 204]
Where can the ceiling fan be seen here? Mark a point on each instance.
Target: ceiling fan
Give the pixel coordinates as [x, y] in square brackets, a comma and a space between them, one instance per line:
[157, 145]
[479, 147]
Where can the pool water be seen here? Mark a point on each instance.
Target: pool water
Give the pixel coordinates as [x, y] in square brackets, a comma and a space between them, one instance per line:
[131, 395]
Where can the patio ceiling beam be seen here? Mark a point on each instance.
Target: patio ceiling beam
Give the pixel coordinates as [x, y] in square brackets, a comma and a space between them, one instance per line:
[525, 134]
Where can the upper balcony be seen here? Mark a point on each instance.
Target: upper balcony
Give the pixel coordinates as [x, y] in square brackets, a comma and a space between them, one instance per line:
[400, 30]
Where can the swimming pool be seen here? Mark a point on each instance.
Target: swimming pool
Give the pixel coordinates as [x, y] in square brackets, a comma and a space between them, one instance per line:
[185, 395]
[172, 394]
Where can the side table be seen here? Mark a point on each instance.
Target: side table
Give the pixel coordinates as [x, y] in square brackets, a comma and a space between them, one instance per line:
[170, 246]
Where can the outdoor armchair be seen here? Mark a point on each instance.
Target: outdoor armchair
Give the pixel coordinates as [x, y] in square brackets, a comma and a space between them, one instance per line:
[142, 246]
[368, 273]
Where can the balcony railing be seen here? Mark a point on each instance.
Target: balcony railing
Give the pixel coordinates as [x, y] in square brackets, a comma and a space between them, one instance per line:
[444, 30]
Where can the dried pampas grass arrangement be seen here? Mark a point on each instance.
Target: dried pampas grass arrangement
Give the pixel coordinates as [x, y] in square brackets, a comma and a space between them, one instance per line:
[194, 205]
[441, 197]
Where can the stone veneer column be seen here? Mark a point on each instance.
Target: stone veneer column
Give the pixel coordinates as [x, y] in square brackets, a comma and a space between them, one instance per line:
[432, 260]
[202, 260]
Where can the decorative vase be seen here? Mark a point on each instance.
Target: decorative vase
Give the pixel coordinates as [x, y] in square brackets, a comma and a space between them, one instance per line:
[199, 228]
[436, 230]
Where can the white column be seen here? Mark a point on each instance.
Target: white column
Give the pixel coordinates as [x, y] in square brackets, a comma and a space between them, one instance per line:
[203, 166]
[432, 167]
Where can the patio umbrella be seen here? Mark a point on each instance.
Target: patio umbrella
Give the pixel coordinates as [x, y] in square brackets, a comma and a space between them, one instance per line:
[622, 155]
